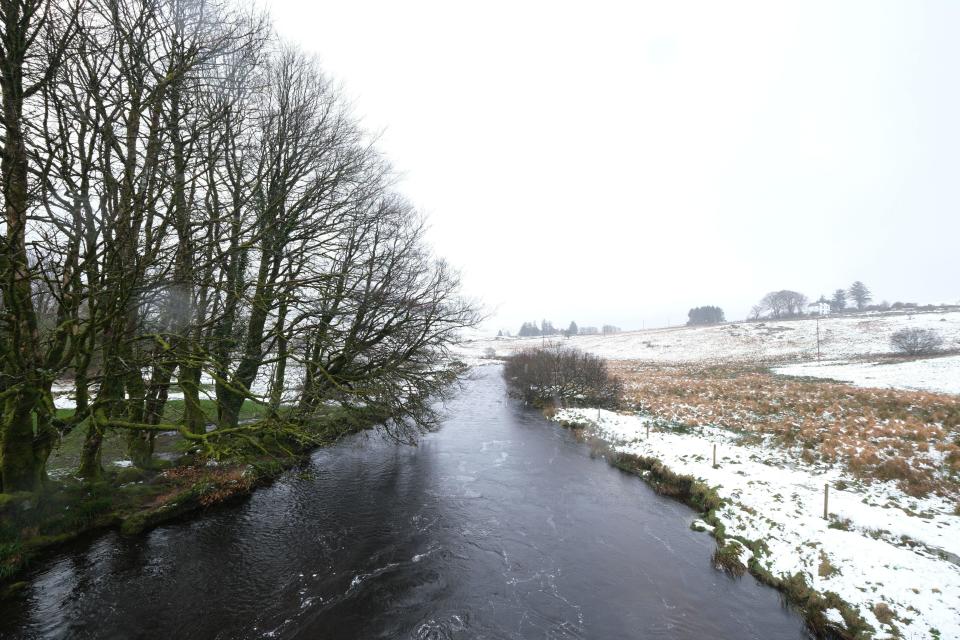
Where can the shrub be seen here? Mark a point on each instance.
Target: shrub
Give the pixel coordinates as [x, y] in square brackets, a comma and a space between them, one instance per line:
[915, 341]
[551, 374]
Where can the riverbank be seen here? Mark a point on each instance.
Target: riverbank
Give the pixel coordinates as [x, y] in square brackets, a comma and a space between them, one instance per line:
[883, 565]
[135, 500]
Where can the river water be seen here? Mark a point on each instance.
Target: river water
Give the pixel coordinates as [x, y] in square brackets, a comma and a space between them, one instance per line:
[500, 525]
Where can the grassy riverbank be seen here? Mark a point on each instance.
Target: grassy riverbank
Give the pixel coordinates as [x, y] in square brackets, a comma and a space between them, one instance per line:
[734, 555]
[134, 500]
[882, 565]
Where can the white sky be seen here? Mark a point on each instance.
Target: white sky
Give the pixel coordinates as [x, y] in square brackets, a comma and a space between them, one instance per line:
[620, 162]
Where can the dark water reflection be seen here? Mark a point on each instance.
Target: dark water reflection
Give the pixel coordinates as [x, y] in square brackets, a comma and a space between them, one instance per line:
[498, 526]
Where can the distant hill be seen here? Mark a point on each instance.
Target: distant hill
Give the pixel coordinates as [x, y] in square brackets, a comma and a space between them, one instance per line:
[842, 337]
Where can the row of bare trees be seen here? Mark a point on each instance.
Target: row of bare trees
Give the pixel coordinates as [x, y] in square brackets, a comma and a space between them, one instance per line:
[190, 206]
[779, 305]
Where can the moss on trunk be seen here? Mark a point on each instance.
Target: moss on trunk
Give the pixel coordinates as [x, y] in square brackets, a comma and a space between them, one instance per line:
[20, 467]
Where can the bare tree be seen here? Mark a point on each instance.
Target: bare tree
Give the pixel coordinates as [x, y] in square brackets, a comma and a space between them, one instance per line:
[783, 304]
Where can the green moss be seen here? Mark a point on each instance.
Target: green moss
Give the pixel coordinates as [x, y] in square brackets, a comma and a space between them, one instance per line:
[176, 506]
[65, 458]
[130, 474]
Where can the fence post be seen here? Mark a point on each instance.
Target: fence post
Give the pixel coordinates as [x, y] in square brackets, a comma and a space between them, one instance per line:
[826, 498]
[714, 455]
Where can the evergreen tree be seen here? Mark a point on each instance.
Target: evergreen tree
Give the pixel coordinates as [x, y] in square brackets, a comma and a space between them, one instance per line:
[529, 330]
[839, 300]
[705, 315]
[860, 294]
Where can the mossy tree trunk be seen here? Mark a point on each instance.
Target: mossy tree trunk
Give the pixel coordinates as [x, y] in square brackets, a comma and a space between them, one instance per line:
[27, 62]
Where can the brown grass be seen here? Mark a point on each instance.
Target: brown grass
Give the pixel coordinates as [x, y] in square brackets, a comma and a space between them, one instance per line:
[217, 484]
[880, 434]
[883, 612]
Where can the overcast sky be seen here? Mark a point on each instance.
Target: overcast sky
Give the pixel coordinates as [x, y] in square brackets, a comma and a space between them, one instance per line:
[620, 162]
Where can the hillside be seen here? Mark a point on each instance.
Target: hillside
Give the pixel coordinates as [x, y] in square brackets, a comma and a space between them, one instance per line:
[841, 337]
[853, 348]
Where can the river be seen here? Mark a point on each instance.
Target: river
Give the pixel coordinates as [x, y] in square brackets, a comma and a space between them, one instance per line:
[500, 525]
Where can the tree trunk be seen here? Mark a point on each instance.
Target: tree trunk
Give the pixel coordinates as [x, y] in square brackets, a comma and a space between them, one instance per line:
[22, 471]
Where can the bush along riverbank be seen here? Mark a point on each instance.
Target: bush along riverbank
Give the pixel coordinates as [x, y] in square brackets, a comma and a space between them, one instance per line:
[882, 564]
[133, 500]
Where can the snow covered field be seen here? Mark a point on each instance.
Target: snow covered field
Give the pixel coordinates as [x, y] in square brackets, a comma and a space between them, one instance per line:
[841, 338]
[890, 550]
[845, 341]
[940, 375]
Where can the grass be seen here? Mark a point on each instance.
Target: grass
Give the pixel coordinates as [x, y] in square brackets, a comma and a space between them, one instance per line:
[65, 458]
[11, 558]
[727, 559]
[826, 569]
[843, 524]
[883, 613]
[909, 437]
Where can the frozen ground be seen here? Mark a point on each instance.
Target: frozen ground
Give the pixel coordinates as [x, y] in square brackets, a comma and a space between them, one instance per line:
[841, 338]
[892, 549]
[940, 375]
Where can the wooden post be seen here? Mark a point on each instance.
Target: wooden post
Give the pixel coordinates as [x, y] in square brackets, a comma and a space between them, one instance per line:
[819, 309]
[598, 414]
[648, 431]
[826, 498]
[714, 456]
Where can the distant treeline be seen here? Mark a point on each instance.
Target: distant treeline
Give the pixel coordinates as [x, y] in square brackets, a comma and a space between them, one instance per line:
[546, 328]
[704, 315]
[779, 305]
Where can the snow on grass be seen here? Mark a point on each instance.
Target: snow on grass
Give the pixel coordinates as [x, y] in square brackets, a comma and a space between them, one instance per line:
[64, 392]
[841, 338]
[940, 375]
[885, 548]
[912, 437]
